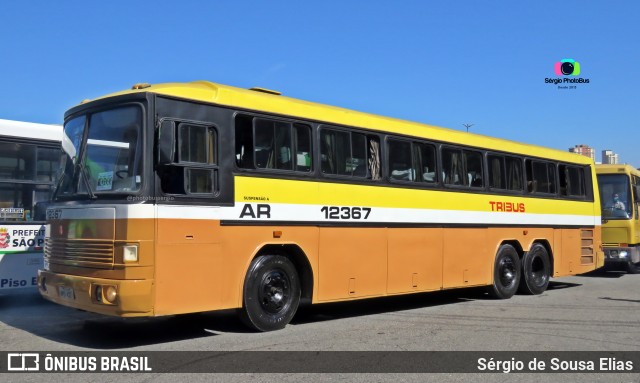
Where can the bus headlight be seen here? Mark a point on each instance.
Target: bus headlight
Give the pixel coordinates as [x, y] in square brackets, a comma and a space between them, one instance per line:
[130, 253]
[110, 294]
[106, 294]
[623, 254]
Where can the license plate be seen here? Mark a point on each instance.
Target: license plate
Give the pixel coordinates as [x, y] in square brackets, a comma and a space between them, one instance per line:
[53, 214]
[66, 292]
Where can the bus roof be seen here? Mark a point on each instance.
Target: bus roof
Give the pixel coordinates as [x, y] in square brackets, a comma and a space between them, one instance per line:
[617, 169]
[30, 130]
[272, 102]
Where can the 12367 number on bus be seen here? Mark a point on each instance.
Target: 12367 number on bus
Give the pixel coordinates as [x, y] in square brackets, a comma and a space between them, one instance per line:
[345, 212]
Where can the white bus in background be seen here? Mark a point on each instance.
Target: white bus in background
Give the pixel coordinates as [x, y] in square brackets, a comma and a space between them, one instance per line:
[29, 164]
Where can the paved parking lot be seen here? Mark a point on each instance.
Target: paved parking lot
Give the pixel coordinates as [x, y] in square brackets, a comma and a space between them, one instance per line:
[595, 312]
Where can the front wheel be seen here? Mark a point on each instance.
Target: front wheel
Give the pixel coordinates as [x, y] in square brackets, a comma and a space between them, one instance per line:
[536, 270]
[271, 293]
[633, 268]
[506, 273]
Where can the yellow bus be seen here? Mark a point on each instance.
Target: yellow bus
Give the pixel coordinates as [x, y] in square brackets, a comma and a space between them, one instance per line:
[188, 197]
[619, 186]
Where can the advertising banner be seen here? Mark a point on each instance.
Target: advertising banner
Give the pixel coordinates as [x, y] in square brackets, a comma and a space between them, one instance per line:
[21, 255]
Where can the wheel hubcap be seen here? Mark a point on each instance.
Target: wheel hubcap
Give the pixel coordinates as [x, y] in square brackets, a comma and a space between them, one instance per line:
[507, 272]
[538, 272]
[274, 291]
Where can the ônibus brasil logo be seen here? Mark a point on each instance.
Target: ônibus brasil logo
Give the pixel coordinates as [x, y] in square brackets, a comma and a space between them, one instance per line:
[566, 69]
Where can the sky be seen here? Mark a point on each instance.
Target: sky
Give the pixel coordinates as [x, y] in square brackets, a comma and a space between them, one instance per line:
[445, 63]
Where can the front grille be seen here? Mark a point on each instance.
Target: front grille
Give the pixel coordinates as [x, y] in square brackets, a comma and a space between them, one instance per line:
[79, 252]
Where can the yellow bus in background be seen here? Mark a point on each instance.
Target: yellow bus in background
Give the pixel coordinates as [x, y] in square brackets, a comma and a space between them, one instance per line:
[189, 197]
[619, 186]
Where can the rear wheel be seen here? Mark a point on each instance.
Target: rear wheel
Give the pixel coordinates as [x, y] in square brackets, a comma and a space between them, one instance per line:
[271, 293]
[506, 273]
[536, 270]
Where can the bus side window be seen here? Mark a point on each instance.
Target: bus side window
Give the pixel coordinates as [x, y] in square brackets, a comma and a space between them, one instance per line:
[541, 177]
[496, 172]
[452, 166]
[425, 160]
[336, 152]
[551, 174]
[272, 144]
[196, 167]
[268, 144]
[565, 181]
[244, 142]
[514, 173]
[571, 181]
[359, 158]
[532, 177]
[473, 165]
[576, 182]
[302, 150]
[400, 167]
[374, 157]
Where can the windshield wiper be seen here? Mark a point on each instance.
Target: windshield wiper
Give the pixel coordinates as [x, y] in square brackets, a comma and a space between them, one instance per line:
[85, 177]
[57, 187]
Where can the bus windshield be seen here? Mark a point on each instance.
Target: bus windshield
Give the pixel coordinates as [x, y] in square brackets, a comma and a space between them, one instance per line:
[106, 158]
[614, 196]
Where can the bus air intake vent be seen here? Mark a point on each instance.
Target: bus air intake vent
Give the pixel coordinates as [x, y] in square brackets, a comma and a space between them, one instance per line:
[587, 242]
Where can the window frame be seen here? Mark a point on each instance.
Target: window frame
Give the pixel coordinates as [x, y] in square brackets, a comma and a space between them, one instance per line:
[251, 120]
[211, 135]
[368, 136]
[413, 158]
[183, 168]
[529, 163]
[505, 157]
[463, 151]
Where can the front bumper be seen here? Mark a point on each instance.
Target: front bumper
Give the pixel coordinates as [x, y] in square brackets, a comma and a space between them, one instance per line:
[134, 297]
[617, 255]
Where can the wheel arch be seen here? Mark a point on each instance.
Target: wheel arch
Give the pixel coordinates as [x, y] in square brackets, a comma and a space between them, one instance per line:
[300, 261]
[513, 242]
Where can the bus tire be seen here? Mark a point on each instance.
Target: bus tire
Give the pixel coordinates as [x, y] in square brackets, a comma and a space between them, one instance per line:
[633, 268]
[506, 273]
[271, 293]
[536, 270]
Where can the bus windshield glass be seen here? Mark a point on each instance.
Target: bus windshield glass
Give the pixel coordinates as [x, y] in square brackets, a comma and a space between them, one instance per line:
[106, 158]
[614, 196]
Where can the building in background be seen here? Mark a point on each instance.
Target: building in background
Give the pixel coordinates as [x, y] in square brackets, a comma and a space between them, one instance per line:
[585, 150]
[609, 157]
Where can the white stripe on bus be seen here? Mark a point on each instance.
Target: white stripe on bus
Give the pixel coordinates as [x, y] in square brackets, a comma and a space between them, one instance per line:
[299, 213]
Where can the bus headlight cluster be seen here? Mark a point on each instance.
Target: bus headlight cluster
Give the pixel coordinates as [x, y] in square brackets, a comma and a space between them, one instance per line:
[106, 294]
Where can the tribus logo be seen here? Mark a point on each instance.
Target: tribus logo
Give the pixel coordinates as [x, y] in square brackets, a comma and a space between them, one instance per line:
[5, 238]
[567, 67]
